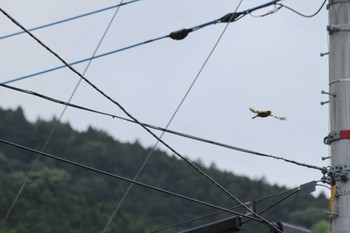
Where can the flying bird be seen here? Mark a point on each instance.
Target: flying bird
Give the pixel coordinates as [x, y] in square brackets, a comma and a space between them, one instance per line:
[260, 113]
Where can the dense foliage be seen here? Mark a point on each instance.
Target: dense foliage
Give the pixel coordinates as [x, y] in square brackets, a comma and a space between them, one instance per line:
[62, 198]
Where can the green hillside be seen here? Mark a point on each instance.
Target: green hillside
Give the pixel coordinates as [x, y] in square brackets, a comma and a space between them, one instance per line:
[63, 198]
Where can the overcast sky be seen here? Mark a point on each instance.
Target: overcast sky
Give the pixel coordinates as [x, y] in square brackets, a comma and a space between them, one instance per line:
[268, 63]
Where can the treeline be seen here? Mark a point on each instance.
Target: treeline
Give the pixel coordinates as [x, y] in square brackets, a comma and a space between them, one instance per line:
[63, 198]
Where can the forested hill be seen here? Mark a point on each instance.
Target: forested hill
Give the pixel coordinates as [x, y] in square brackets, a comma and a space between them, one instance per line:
[62, 198]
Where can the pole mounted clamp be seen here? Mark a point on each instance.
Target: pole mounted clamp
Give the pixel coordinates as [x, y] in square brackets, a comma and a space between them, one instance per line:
[336, 135]
[339, 173]
[338, 27]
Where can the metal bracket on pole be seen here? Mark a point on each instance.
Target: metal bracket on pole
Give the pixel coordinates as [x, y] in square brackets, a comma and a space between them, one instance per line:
[327, 93]
[338, 27]
[340, 173]
[330, 213]
[336, 135]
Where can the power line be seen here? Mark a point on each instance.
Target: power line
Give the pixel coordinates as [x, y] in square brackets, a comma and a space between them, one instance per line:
[121, 178]
[144, 127]
[177, 35]
[69, 19]
[303, 15]
[196, 138]
[57, 122]
[169, 122]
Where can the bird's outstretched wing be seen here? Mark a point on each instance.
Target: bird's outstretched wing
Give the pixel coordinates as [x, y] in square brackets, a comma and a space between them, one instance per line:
[279, 118]
[254, 110]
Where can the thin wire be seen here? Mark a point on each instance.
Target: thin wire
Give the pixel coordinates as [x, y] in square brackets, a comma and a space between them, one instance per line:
[132, 117]
[195, 28]
[279, 201]
[216, 213]
[68, 19]
[57, 122]
[303, 15]
[196, 138]
[168, 124]
[121, 178]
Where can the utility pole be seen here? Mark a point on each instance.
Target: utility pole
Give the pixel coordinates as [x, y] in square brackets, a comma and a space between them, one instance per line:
[339, 94]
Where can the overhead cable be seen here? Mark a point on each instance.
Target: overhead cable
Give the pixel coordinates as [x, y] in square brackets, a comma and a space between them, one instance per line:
[58, 121]
[196, 138]
[303, 15]
[177, 35]
[86, 167]
[139, 123]
[169, 122]
[69, 19]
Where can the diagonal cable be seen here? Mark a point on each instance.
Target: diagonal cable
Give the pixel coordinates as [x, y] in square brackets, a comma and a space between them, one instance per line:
[196, 138]
[56, 124]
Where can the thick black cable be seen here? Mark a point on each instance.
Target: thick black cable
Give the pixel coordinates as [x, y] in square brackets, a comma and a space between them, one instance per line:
[139, 123]
[215, 213]
[196, 138]
[86, 167]
[58, 120]
[303, 15]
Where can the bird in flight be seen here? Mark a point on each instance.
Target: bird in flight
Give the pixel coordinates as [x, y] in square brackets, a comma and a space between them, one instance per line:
[260, 113]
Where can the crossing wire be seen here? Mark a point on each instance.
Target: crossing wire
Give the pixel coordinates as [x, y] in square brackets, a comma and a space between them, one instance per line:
[68, 19]
[139, 123]
[26, 179]
[196, 138]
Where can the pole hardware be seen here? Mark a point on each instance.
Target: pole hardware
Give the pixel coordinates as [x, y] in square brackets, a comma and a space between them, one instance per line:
[330, 213]
[339, 173]
[324, 54]
[336, 135]
[251, 206]
[338, 27]
[327, 93]
[327, 157]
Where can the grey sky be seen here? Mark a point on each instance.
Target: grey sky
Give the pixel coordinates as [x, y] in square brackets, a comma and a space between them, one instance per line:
[267, 63]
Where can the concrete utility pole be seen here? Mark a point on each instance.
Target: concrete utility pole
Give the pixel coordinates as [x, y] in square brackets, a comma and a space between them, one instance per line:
[339, 94]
